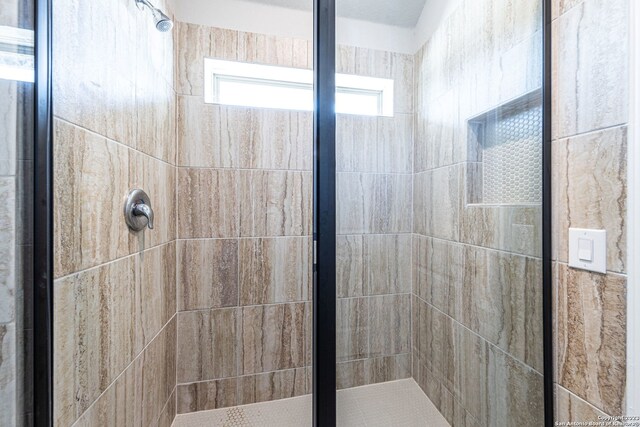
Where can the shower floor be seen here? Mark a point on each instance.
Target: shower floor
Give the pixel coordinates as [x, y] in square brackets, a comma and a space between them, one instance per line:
[395, 403]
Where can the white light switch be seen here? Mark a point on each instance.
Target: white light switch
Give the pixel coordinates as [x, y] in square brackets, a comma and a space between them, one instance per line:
[585, 249]
[588, 249]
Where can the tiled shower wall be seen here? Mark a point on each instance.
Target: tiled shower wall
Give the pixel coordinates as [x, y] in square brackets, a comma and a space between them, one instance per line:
[114, 292]
[590, 115]
[477, 285]
[244, 240]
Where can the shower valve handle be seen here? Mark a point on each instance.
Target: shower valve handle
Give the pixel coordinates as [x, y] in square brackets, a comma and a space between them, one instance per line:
[137, 210]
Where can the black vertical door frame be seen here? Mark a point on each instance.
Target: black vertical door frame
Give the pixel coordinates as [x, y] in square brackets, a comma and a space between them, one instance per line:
[324, 215]
[43, 222]
[547, 267]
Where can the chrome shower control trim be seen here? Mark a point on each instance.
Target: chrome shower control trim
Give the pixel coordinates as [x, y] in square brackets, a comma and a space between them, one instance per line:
[137, 210]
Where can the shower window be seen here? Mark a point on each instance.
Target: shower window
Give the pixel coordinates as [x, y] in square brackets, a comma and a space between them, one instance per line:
[16, 54]
[251, 85]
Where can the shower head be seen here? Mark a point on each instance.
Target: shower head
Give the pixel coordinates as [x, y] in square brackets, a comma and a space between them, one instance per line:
[163, 22]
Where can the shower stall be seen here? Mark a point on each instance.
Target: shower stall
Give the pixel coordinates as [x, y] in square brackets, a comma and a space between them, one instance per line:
[287, 212]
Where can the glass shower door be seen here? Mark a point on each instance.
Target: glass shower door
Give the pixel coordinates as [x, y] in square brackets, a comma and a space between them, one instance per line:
[439, 215]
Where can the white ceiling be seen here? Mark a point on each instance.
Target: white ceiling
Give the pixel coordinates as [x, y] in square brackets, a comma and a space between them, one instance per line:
[399, 13]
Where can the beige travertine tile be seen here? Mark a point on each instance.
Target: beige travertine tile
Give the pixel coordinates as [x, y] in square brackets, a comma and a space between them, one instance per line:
[10, 374]
[274, 270]
[95, 329]
[373, 203]
[208, 344]
[387, 263]
[590, 75]
[502, 302]
[275, 203]
[10, 285]
[373, 370]
[210, 135]
[352, 328]
[272, 337]
[571, 408]
[438, 133]
[356, 143]
[156, 292]
[158, 376]
[158, 180]
[95, 70]
[207, 273]
[8, 120]
[138, 396]
[92, 173]
[193, 44]
[437, 202]
[438, 272]
[389, 325]
[591, 336]
[590, 191]
[350, 266]
[277, 139]
[516, 229]
[272, 386]
[207, 203]
[515, 392]
[205, 395]
[559, 7]
[395, 144]
[169, 412]
[155, 113]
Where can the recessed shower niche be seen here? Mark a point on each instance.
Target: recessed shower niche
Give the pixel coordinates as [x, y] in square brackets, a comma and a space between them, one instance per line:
[505, 153]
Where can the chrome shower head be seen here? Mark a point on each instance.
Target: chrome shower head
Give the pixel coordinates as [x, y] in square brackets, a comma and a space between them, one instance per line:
[163, 22]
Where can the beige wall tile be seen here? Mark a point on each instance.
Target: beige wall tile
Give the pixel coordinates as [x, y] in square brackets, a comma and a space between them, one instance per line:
[591, 336]
[272, 386]
[208, 344]
[156, 293]
[571, 408]
[278, 139]
[373, 203]
[95, 329]
[437, 202]
[94, 82]
[590, 75]
[207, 203]
[438, 273]
[169, 412]
[138, 396]
[387, 263]
[275, 203]
[389, 325]
[272, 337]
[91, 172]
[590, 191]
[207, 273]
[515, 391]
[210, 135]
[350, 266]
[352, 328]
[158, 180]
[274, 270]
[373, 370]
[508, 285]
[10, 374]
[10, 284]
[206, 395]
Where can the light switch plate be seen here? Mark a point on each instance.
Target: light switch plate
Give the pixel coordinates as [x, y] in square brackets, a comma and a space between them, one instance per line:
[580, 240]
